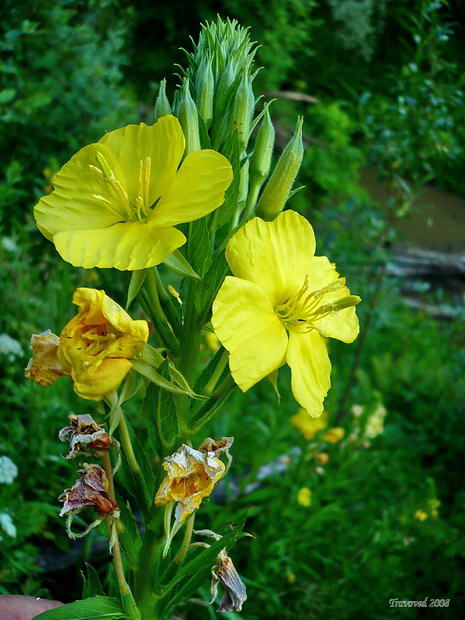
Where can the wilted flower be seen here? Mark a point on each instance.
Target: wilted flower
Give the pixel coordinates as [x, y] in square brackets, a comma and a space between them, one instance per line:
[96, 344]
[116, 202]
[307, 425]
[304, 497]
[44, 367]
[280, 306]
[86, 437]
[192, 475]
[91, 489]
[235, 593]
[333, 435]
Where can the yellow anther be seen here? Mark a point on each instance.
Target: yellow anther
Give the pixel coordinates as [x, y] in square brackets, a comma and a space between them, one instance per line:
[175, 293]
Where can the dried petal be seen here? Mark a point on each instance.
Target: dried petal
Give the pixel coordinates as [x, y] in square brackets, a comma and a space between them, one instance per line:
[235, 593]
[44, 367]
[85, 436]
[91, 489]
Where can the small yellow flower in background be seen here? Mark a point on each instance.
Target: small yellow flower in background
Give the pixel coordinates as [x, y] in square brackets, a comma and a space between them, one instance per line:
[304, 497]
[96, 344]
[280, 306]
[433, 505]
[307, 425]
[421, 515]
[322, 458]
[192, 475]
[44, 366]
[291, 578]
[333, 435]
[116, 202]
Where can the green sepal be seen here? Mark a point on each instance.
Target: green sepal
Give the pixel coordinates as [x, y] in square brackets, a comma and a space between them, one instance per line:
[200, 243]
[93, 608]
[92, 584]
[147, 371]
[135, 284]
[180, 265]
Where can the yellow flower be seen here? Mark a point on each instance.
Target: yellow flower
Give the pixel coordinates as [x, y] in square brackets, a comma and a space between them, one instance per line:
[304, 497]
[116, 202]
[44, 367]
[307, 425]
[192, 475]
[96, 344]
[280, 306]
[333, 435]
[322, 458]
[420, 515]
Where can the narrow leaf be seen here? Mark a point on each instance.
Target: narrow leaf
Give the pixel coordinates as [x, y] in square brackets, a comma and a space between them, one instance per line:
[155, 377]
[180, 265]
[137, 280]
[88, 609]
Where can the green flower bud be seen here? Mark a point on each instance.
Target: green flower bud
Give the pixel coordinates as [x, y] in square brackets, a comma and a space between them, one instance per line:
[279, 186]
[243, 109]
[243, 184]
[263, 151]
[162, 105]
[189, 119]
[205, 88]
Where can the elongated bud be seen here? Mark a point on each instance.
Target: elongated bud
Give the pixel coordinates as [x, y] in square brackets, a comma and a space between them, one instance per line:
[189, 118]
[279, 186]
[243, 184]
[205, 88]
[222, 90]
[263, 152]
[243, 108]
[162, 105]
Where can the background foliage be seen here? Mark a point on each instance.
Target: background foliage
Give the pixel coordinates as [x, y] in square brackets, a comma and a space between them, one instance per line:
[389, 79]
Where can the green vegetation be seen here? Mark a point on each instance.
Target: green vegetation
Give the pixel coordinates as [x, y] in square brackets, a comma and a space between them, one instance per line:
[389, 79]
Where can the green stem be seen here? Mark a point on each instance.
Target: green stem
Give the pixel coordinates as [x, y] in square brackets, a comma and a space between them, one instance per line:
[216, 374]
[162, 324]
[186, 541]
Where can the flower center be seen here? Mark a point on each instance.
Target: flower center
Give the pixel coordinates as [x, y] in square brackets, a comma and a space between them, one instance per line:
[119, 201]
[100, 341]
[299, 311]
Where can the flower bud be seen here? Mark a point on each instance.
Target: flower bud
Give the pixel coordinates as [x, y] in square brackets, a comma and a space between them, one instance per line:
[243, 184]
[162, 105]
[243, 108]
[205, 86]
[263, 152]
[189, 119]
[278, 188]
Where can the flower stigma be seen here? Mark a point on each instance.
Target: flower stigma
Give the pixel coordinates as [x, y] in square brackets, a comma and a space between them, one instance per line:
[300, 310]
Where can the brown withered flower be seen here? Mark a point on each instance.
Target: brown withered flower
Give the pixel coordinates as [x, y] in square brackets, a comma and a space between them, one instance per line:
[235, 593]
[44, 367]
[91, 489]
[85, 437]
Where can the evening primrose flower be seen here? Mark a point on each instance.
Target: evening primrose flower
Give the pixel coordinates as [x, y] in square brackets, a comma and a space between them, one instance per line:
[96, 344]
[307, 425]
[85, 437]
[280, 306]
[421, 515]
[192, 475]
[116, 202]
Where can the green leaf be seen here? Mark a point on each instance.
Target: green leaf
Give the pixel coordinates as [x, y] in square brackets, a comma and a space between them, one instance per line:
[137, 280]
[129, 536]
[92, 584]
[180, 265]
[155, 377]
[152, 356]
[96, 607]
[7, 94]
[199, 244]
[160, 404]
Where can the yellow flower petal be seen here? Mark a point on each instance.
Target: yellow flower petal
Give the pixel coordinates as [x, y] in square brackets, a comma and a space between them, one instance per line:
[163, 142]
[342, 325]
[125, 246]
[307, 356]
[247, 326]
[82, 199]
[94, 383]
[197, 190]
[275, 255]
